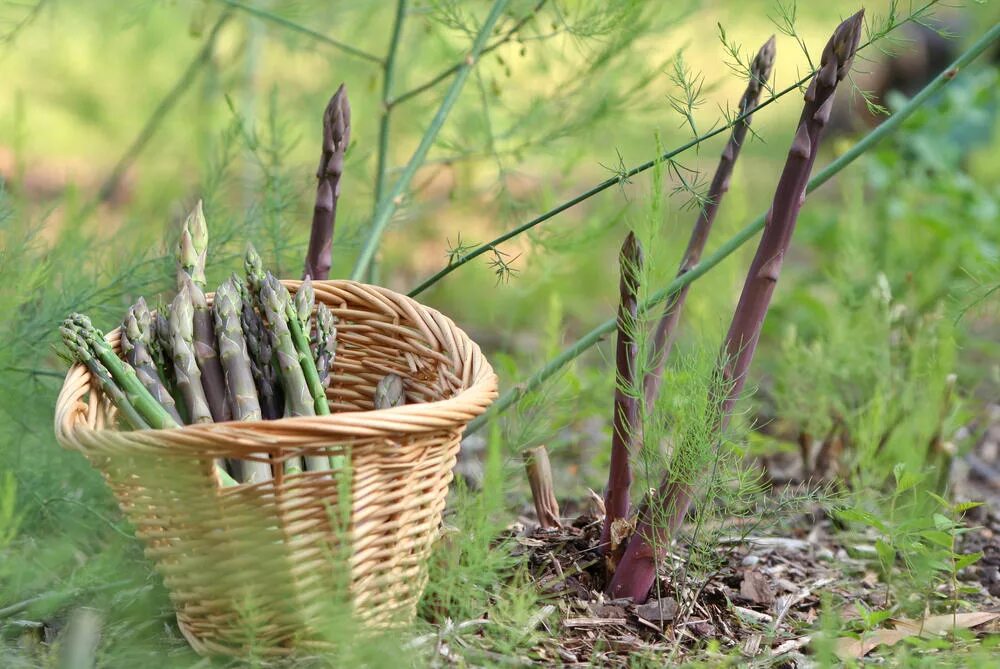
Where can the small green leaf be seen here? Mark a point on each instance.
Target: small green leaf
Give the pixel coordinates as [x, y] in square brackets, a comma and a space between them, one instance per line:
[938, 537]
[962, 507]
[965, 560]
[940, 500]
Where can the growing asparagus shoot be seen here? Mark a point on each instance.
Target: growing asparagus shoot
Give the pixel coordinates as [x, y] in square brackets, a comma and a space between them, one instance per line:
[336, 138]
[625, 430]
[670, 502]
[663, 334]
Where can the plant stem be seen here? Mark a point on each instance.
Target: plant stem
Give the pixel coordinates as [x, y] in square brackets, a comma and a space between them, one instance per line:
[488, 247]
[626, 423]
[388, 77]
[539, 471]
[336, 138]
[291, 25]
[444, 74]
[888, 126]
[663, 335]
[387, 207]
[665, 509]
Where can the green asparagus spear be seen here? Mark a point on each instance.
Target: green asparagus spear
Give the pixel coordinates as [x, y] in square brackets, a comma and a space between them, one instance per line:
[281, 316]
[192, 249]
[277, 303]
[156, 351]
[233, 352]
[227, 309]
[81, 352]
[213, 379]
[136, 344]
[305, 300]
[389, 392]
[261, 355]
[324, 343]
[185, 364]
[255, 271]
[121, 372]
[300, 339]
[139, 407]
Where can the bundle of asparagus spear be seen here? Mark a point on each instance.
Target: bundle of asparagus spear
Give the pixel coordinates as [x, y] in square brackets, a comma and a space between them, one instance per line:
[256, 353]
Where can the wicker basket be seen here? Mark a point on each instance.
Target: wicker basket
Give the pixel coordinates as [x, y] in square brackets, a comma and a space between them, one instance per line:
[260, 564]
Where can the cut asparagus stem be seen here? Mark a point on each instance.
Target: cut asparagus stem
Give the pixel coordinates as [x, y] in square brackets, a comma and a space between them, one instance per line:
[254, 267]
[300, 340]
[325, 343]
[305, 300]
[280, 313]
[124, 376]
[539, 471]
[389, 392]
[164, 357]
[261, 355]
[336, 137]
[81, 352]
[665, 509]
[185, 364]
[626, 418]
[138, 404]
[227, 309]
[192, 253]
[663, 335]
[192, 249]
[276, 302]
[213, 379]
[136, 341]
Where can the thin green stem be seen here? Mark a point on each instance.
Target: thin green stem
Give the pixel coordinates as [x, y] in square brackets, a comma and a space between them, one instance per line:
[295, 27]
[455, 263]
[889, 126]
[599, 188]
[387, 207]
[388, 78]
[444, 74]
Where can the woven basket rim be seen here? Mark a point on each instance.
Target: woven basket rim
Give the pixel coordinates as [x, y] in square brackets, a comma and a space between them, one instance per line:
[470, 402]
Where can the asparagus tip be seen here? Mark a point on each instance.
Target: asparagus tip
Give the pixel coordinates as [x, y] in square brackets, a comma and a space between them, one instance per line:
[844, 43]
[760, 70]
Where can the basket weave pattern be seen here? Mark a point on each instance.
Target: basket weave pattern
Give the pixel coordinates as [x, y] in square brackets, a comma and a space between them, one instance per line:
[262, 563]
